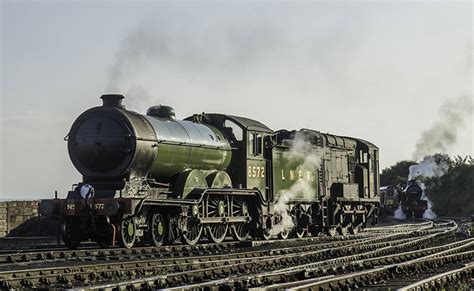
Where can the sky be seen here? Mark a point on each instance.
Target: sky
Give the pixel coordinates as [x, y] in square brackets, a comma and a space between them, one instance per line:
[382, 71]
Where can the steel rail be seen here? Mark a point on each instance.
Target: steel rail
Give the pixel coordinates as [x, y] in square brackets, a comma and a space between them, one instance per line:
[64, 254]
[440, 280]
[302, 269]
[150, 282]
[38, 275]
[352, 279]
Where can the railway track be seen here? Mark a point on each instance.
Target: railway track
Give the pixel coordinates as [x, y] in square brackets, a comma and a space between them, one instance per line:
[270, 264]
[49, 256]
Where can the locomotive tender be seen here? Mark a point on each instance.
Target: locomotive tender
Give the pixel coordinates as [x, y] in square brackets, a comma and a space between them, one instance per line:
[154, 179]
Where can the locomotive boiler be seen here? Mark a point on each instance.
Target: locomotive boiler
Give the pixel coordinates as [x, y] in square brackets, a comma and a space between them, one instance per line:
[154, 179]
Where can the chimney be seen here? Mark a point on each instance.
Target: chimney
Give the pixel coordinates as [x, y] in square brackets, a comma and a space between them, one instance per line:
[112, 100]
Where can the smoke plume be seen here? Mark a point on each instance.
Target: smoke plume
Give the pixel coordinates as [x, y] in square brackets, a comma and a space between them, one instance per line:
[443, 134]
[308, 157]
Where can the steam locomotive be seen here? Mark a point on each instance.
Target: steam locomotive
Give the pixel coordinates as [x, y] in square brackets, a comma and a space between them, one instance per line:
[153, 179]
[407, 197]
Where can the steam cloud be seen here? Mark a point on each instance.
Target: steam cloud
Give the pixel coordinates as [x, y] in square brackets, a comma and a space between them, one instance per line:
[300, 150]
[428, 168]
[399, 214]
[444, 132]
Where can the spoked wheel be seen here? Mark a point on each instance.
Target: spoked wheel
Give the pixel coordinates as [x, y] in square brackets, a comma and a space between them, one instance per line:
[158, 229]
[299, 219]
[217, 206]
[240, 230]
[301, 232]
[284, 233]
[333, 231]
[355, 229]
[344, 230]
[128, 231]
[346, 224]
[71, 233]
[266, 234]
[193, 231]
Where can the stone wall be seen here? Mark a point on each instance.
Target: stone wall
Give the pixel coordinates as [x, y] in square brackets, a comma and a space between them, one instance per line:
[15, 213]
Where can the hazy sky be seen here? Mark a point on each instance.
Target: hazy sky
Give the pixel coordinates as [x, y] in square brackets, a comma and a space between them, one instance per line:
[375, 70]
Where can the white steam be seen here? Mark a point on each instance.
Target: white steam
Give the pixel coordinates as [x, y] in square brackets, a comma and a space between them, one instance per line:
[429, 213]
[428, 168]
[308, 157]
[399, 214]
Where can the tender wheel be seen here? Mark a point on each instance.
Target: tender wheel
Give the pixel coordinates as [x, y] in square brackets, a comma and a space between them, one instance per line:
[266, 234]
[284, 234]
[344, 230]
[300, 219]
[301, 232]
[128, 231]
[240, 208]
[193, 231]
[158, 229]
[217, 206]
[71, 233]
[333, 231]
[355, 229]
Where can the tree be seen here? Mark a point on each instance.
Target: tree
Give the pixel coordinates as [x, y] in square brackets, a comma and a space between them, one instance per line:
[396, 174]
[453, 193]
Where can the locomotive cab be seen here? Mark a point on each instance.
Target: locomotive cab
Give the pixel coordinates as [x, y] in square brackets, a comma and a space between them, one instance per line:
[248, 168]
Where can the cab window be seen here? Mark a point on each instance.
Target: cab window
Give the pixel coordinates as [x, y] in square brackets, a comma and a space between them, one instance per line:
[255, 144]
[233, 130]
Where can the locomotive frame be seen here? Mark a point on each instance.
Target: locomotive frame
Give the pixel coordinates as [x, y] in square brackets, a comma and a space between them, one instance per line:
[230, 183]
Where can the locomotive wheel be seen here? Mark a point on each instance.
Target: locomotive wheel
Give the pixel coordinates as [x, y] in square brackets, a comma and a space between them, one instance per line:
[193, 231]
[71, 233]
[301, 227]
[240, 208]
[128, 231]
[284, 234]
[300, 232]
[355, 229]
[217, 206]
[344, 230]
[333, 231]
[266, 234]
[158, 229]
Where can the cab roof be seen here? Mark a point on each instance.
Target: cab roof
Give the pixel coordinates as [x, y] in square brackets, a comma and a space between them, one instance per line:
[244, 122]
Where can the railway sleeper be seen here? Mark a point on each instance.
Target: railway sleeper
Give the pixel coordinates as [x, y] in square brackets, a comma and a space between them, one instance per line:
[266, 265]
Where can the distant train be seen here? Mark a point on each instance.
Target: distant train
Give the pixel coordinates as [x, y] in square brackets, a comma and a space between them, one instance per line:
[155, 179]
[406, 197]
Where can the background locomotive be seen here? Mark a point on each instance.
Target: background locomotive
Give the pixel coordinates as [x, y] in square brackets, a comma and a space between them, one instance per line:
[152, 178]
[408, 197]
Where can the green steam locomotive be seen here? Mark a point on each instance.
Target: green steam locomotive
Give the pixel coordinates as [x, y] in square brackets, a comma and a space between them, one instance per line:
[153, 179]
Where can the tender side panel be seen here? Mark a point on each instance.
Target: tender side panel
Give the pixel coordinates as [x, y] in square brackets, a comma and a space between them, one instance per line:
[292, 176]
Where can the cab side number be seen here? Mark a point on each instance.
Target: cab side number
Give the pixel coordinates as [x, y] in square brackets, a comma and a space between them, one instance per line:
[256, 172]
